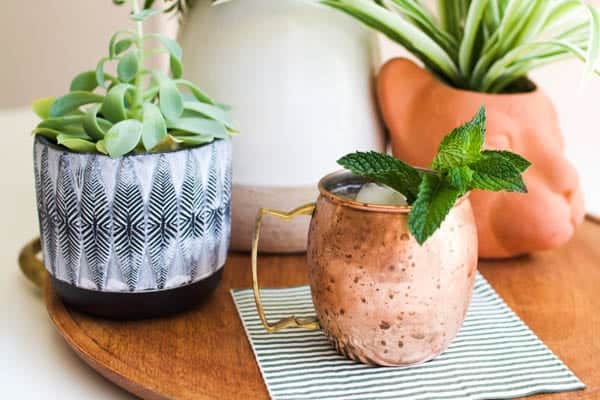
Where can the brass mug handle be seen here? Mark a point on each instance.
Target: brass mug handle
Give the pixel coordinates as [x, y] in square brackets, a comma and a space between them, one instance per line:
[31, 266]
[307, 323]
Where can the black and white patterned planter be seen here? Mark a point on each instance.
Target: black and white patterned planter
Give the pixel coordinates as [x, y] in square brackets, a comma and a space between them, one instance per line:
[137, 236]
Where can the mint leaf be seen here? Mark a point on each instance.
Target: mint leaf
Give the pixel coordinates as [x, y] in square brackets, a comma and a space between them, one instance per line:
[519, 162]
[460, 178]
[436, 198]
[463, 145]
[497, 172]
[384, 169]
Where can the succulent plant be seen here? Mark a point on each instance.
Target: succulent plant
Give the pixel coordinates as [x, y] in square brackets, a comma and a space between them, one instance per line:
[485, 45]
[138, 109]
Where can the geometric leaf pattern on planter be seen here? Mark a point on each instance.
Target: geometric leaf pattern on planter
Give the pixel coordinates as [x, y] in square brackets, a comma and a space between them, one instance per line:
[162, 221]
[96, 223]
[129, 223]
[47, 211]
[211, 215]
[191, 223]
[69, 226]
[135, 223]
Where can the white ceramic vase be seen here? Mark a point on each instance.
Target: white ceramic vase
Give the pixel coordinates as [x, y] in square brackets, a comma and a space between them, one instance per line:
[300, 78]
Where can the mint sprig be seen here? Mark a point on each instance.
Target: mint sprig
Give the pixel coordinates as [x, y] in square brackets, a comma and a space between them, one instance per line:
[459, 166]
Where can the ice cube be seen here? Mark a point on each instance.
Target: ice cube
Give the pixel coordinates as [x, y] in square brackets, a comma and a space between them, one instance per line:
[374, 193]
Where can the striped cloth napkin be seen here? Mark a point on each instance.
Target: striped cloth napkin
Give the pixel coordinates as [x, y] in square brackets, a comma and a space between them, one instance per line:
[495, 356]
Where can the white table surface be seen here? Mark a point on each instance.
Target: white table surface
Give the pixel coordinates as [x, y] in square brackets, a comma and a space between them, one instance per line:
[35, 362]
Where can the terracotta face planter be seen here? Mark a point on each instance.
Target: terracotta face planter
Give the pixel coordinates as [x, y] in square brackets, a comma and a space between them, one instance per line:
[380, 297]
[419, 110]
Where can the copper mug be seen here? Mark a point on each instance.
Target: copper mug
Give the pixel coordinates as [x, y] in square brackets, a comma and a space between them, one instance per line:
[380, 297]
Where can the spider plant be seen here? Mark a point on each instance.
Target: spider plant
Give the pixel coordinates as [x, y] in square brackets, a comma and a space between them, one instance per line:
[485, 45]
[138, 109]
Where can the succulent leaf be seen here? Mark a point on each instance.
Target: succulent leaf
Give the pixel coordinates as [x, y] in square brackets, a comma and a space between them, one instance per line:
[154, 128]
[72, 101]
[123, 137]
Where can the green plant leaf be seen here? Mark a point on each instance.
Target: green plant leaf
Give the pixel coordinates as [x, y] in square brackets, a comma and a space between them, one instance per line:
[501, 69]
[460, 178]
[561, 11]
[384, 169]
[61, 123]
[75, 132]
[199, 126]
[118, 43]
[474, 17]
[516, 160]
[123, 137]
[113, 106]
[154, 128]
[151, 93]
[100, 71]
[451, 15]
[176, 67]
[169, 143]
[72, 101]
[171, 45]
[401, 31]
[122, 46]
[143, 15]
[593, 55]
[424, 20]
[76, 144]
[175, 53]
[101, 147]
[49, 133]
[196, 92]
[85, 81]
[513, 18]
[536, 20]
[193, 140]
[92, 125]
[435, 200]
[211, 111]
[495, 172]
[70, 124]
[41, 107]
[128, 67]
[463, 145]
[170, 100]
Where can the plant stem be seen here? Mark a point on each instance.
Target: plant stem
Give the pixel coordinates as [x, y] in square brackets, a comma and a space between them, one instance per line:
[138, 98]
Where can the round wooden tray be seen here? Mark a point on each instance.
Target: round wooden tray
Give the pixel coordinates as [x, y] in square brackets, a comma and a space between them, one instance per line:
[204, 353]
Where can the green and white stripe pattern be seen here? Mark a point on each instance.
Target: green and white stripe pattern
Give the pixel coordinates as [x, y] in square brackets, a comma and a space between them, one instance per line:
[495, 356]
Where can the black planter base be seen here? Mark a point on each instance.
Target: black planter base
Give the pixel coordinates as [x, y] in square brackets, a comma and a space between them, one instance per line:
[138, 305]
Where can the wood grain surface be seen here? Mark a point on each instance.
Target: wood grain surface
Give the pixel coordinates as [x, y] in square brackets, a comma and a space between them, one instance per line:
[204, 353]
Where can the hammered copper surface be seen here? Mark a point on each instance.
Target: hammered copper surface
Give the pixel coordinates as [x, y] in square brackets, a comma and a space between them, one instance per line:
[381, 297]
